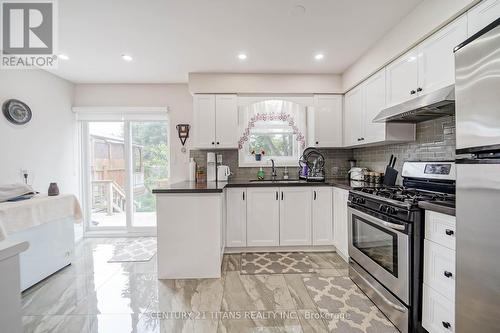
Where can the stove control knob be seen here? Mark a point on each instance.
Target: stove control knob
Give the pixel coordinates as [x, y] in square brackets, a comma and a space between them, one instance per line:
[383, 208]
[358, 200]
[392, 210]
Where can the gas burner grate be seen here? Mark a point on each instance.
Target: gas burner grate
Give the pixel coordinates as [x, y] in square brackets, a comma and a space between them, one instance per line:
[408, 195]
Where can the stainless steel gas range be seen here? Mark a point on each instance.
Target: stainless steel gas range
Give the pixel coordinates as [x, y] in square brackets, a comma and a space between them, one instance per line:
[386, 229]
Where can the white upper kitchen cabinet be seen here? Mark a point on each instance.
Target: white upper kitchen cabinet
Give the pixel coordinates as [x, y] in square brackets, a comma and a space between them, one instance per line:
[215, 121]
[481, 15]
[236, 217]
[436, 60]
[322, 215]
[362, 104]
[295, 216]
[204, 121]
[263, 216]
[374, 102]
[226, 121]
[427, 67]
[353, 117]
[328, 121]
[402, 77]
[340, 221]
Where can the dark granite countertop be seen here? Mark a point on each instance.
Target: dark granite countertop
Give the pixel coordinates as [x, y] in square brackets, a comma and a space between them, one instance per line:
[447, 208]
[213, 187]
[191, 187]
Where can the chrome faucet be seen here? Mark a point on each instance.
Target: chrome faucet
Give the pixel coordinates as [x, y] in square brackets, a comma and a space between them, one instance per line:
[273, 171]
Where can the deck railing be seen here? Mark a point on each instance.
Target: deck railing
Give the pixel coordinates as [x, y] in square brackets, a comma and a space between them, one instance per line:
[107, 196]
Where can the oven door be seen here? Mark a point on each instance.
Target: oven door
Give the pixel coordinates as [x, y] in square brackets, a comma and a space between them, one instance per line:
[381, 247]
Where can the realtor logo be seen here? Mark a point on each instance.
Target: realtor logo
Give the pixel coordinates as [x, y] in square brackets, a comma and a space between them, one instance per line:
[28, 34]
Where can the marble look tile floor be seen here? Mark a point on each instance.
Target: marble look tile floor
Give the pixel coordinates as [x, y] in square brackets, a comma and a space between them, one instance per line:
[93, 295]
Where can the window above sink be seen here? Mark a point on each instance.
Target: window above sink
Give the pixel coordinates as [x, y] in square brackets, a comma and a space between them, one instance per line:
[272, 129]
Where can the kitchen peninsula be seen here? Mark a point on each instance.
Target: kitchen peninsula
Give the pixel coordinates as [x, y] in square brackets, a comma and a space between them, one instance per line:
[197, 222]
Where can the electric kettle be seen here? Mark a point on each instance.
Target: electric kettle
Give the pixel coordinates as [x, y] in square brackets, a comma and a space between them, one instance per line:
[223, 172]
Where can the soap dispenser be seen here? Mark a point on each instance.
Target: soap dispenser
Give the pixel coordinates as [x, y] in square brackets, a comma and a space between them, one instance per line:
[261, 174]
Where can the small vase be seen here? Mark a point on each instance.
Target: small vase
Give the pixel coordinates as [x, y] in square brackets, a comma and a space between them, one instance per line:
[53, 190]
[258, 157]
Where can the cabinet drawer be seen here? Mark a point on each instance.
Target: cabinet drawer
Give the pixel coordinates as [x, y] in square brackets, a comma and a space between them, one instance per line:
[438, 312]
[439, 268]
[440, 228]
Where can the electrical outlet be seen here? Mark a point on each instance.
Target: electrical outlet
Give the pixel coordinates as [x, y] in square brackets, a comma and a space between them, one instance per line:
[24, 175]
[219, 159]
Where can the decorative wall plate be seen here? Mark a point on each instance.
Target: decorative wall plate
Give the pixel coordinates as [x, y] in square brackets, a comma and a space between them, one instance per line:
[16, 111]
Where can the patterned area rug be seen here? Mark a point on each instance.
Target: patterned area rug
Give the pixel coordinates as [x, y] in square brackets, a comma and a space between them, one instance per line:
[275, 263]
[135, 249]
[345, 306]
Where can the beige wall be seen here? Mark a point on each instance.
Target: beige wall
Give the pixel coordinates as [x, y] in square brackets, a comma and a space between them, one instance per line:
[425, 19]
[175, 96]
[203, 83]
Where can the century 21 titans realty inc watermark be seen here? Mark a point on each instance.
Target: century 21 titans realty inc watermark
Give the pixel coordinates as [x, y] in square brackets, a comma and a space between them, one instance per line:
[28, 34]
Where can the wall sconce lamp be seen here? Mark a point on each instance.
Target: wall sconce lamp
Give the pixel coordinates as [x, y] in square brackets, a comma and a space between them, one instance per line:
[183, 132]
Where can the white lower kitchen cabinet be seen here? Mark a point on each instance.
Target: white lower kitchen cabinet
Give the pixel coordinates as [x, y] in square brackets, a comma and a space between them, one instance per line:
[236, 217]
[295, 216]
[438, 314]
[438, 299]
[263, 216]
[322, 216]
[340, 221]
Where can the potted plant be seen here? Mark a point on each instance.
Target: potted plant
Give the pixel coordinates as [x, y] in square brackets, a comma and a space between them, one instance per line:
[258, 156]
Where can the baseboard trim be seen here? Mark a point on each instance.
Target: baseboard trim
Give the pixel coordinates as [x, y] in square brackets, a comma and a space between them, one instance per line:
[322, 248]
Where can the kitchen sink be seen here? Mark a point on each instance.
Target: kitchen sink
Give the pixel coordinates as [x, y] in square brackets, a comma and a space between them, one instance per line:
[276, 180]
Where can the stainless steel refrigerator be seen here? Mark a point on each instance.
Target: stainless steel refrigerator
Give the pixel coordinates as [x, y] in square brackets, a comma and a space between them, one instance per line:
[477, 64]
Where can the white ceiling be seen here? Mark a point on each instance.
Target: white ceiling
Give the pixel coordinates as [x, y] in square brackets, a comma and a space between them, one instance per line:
[170, 38]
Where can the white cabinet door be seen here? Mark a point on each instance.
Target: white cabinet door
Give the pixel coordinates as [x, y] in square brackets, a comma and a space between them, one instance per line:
[328, 121]
[402, 77]
[263, 216]
[481, 15]
[438, 312]
[439, 268]
[374, 102]
[204, 121]
[353, 117]
[226, 121]
[436, 60]
[322, 216]
[236, 217]
[340, 220]
[295, 216]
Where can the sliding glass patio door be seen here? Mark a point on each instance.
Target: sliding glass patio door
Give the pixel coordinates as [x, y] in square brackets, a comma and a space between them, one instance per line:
[123, 162]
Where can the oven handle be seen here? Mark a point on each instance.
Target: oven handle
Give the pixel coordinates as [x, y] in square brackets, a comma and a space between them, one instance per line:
[394, 225]
[384, 224]
[388, 302]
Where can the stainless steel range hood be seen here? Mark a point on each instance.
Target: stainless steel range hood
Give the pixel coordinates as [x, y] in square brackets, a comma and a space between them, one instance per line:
[436, 104]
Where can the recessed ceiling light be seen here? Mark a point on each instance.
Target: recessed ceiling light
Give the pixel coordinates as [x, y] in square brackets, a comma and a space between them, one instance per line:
[319, 56]
[127, 57]
[63, 57]
[242, 56]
